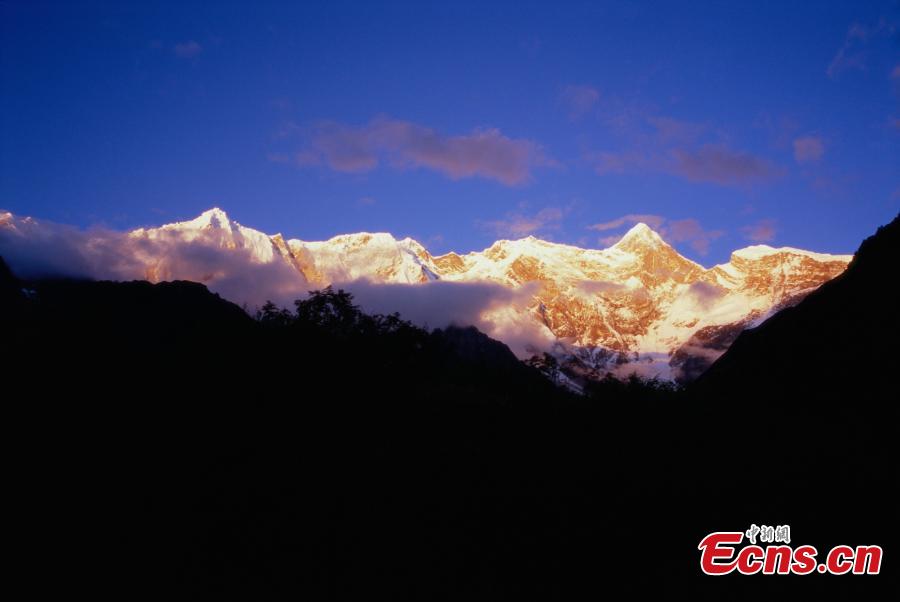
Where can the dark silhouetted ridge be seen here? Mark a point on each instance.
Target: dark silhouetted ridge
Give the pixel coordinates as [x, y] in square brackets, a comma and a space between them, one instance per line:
[166, 444]
[839, 345]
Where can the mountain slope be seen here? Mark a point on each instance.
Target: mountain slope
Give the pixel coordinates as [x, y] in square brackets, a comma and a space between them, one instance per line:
[638, 306]
[839, 343]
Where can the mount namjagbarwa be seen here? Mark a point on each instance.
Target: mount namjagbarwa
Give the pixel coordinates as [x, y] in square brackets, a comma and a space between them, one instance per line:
[637, 306]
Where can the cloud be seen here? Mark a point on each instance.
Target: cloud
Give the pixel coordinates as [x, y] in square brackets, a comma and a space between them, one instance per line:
[849, 55]
[188, 49]
[677, 131]
[762, 231]
[852, 53]
[687, 230]
[579, 100]
[608, 241]
[43, 249]
[690, 231]
[623, 162]
[437, 304]
[501, 312]
[808, 149]
[519, 225]
[400, 144]
[721, 165]
[654, 221]
[693, 151]
[705, 294]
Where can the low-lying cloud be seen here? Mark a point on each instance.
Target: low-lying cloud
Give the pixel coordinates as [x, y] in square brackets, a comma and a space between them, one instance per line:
[499, 311]
[44, 249]
[600, 287]
[705, 294]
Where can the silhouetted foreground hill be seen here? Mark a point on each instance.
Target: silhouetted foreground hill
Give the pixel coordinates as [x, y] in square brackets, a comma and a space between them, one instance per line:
[167, 445]
[801, 413]
[839, 343]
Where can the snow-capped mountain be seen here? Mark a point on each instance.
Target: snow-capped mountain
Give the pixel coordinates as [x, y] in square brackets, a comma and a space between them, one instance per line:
[377, 257]
[637, 306]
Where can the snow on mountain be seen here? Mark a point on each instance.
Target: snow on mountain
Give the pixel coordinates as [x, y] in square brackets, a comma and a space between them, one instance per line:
[637, 306]
[378, 257]
[215, 226]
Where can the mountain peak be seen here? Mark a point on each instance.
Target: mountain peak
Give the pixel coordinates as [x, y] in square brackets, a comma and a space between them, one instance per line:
[640, 235]
[214, 217]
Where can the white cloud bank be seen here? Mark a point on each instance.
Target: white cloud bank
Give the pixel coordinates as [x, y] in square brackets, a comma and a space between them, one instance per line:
[44, 249]
[500, 312]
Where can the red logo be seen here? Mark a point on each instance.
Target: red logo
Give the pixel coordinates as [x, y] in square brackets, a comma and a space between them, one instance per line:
[721, 555]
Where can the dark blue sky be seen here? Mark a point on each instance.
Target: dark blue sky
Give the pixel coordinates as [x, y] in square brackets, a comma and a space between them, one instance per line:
[725, 123]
